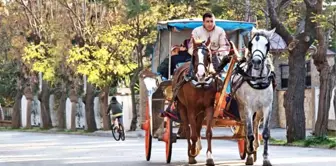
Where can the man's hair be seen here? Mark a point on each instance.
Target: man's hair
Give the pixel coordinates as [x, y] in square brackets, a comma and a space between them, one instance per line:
[186, 43]
[114, 98]
[209, 15]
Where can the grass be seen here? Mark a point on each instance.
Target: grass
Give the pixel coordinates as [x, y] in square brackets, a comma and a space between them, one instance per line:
[328, 142]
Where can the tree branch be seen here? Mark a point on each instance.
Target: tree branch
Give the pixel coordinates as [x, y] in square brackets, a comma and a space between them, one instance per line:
[28, 19]
[310, 3]
[333, 25]
[73, 22]
[28, 9]
[275, 23]
[282, 4]
[265, 12]
[65, 4]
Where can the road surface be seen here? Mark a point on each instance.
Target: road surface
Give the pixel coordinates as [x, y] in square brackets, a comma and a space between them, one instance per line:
[24, 148]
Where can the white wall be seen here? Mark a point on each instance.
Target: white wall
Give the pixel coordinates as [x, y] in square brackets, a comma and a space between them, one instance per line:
[126, 101]
[98, 118]
[68, 114]
[35, 112]
[23, 111]
[332, 116]
[80, 120]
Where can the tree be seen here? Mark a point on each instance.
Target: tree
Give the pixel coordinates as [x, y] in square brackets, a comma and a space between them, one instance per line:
[103, 65]
[325, 22]
[103, 51]
[38, 14]
[297, 47]
[78, 15]
[16, 42]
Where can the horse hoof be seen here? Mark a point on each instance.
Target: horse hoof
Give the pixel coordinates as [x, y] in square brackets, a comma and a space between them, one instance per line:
[267, 163]
[192, 160]
[249, 160]
[197, 152]
[210, 162]
[255, 156]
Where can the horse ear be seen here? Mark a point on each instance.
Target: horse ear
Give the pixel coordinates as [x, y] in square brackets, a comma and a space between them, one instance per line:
[254, 30]
[208, 42]
[271, 33]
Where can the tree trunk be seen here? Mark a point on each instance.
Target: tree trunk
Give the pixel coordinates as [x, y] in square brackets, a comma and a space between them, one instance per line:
[334, 103]
[294, 96]
[16, 114]
[45, 110]
[297, 46]
[247, 10]
[134, 110]
[61, 108]
[89, 112]
[142, 100]
[29, 96]
[74, 101]
[321, 125]
[326, 86]
[104, 106]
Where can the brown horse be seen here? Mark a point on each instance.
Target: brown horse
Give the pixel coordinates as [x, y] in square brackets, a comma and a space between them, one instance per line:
[195, 100]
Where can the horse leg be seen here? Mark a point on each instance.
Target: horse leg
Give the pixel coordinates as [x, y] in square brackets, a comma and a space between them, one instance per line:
[209, 113]
[192, 120]
[185, 122]
[256, 124]
[249, 136]
[199, 123]
[266, 134]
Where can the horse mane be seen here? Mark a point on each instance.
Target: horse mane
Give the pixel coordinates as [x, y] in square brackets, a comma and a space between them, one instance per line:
[261, 31]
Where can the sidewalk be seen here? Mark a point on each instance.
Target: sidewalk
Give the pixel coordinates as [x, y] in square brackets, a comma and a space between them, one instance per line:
[277, 133]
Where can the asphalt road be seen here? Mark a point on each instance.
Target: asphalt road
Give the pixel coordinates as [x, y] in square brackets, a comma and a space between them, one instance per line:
[23, 148]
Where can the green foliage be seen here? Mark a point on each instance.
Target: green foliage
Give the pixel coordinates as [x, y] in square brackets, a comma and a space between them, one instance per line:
[136, 7]
[323, 142]
[41, 58]
[8, 74]
[110, 61]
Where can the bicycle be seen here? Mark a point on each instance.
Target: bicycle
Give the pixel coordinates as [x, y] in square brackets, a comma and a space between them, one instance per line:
[117, 128]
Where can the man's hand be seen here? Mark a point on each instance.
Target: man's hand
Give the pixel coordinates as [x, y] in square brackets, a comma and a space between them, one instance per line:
[223, 63]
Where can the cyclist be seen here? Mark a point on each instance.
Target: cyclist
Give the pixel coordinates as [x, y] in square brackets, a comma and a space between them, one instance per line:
[116, 109]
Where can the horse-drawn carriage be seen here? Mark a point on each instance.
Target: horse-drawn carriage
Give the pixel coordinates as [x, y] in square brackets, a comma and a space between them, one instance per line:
[156, 94]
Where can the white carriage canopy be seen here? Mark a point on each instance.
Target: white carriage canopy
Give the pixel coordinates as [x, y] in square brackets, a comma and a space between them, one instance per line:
[174, 32]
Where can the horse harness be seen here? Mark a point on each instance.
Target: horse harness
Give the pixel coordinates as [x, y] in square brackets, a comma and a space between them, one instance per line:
[246, 76]
[250, 79]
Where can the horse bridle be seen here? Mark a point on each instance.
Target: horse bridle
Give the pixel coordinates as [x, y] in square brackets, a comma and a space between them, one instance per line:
[257, 35]
[203, 47]
[208, 80]
[262, 55]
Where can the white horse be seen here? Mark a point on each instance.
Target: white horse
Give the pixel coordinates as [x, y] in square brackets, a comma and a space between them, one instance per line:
[255, 93]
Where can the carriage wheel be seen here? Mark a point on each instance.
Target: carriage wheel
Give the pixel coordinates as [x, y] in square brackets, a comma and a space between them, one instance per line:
[168, 139]
[242, 149]
[148, 136]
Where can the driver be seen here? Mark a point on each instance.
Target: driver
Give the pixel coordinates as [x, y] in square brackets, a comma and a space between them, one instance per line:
[219, 45]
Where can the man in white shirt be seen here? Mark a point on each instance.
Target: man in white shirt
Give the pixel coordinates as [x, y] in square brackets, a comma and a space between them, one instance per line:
[219, 44]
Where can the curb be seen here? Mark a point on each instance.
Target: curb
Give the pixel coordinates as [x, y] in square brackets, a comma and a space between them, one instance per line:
[99, 133]
[129, 134]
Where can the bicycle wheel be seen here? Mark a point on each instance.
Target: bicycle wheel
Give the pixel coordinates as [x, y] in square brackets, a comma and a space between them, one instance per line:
[121, 132]
[115, 133]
